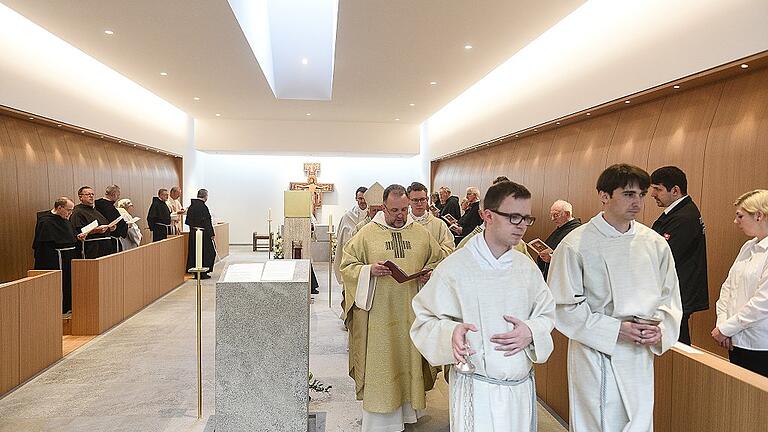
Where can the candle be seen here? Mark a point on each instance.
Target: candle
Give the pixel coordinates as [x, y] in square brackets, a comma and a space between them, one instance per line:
[269, 214]
[330, 222]
[198, 248]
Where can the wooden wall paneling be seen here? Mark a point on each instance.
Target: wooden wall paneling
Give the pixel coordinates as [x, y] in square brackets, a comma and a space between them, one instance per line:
[133, 281]
[632, 139]
[32, 177]
[734, 163]
[116, 158]
[9, 337]
[518, 152]
[40, 326]
[151, 274]
[85, 297]
[680, 138]
[111, 278]
[588, 162]
[59, 164]
[557, 376]
[101, 168]
[555, 176]
[663, 370]
[148, 190]
[11, 240]
[82, 168]
[532, 179]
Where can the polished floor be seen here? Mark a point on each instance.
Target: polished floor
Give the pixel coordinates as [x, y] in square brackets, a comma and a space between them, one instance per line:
[141, 375]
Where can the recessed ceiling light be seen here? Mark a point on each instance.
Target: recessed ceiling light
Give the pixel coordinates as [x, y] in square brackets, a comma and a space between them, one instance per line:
[101, 136]
[467, 47]
[433, 83]
[397, 119]
[308, 114]
[535, 130]
[589, 113]
[31, 118]
[82, 131]
[58, 125]
[134, 145]
[517, 136]
[558, 123]
[744, 65]
[676, 86]
[218, 115]
[109, 32]
[121, 141]
[304, 61]
[196, 98]
[164, 73]
[411, 104]
[157, 151]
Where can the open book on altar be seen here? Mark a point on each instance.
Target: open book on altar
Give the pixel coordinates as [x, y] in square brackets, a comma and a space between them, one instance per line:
[399, 275]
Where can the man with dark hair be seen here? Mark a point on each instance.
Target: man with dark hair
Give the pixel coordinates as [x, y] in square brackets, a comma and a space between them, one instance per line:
[106, 206]
[618, 302]
[56, 245]
[503, 331]
[418, 195]
[520, 246]
[347, 227]
[98, 242]
[682, 226]
[390, 375]
[198, 216]
[159, 216]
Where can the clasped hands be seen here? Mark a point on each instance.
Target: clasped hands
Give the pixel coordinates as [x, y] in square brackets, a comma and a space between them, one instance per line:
[641, 334]
[511, 342]
[723, 340]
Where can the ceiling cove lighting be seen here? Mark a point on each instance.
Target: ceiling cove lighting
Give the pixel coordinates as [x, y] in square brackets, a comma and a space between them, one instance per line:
[411, 104]
[744, 65]
[676, 86]
[218, 115]
[163, 73]
[308, 114]
[109, 32]
[433, 83]
[468, 47]
[281, 31]
[196, 98]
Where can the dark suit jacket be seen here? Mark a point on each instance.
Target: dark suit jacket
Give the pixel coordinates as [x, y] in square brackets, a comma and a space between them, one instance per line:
[683, 228]
[554, 239]
[471, 218]
[451, 207]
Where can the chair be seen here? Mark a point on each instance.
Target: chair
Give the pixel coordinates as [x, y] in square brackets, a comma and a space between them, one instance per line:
[262, 243]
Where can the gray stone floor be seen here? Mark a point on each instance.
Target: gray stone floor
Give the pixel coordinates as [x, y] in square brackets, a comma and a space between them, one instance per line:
[141, 375]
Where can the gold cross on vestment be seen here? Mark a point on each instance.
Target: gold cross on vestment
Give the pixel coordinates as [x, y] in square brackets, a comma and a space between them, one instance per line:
[312, 170]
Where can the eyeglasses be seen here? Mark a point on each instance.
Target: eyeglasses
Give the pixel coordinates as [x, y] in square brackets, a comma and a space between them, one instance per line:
[418, 200]
[87, 194]
[516, 218]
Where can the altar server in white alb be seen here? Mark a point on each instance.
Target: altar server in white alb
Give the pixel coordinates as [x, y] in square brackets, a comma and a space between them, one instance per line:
[606, 276]
[489, 302]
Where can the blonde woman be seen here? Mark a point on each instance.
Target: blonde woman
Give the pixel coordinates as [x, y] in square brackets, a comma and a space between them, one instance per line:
[742, 310]
[133, 239]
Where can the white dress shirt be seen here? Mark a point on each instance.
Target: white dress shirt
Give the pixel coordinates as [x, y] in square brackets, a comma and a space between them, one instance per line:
[742, 310]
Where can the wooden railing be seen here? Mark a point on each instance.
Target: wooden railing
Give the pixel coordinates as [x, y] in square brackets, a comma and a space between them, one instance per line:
[107, 290]
[694, 391]
[30, 326]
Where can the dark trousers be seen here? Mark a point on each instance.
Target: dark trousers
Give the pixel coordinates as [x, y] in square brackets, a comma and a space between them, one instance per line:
[685, 334]
[314, 283]
[756, 361]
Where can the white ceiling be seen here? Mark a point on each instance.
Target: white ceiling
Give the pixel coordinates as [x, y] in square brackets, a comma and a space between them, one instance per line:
[387, 52]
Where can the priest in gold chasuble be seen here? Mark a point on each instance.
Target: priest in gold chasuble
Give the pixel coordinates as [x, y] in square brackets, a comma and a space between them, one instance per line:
[391, 377]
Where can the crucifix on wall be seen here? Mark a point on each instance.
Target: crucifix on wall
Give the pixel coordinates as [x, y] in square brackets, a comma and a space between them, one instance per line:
[312, 170]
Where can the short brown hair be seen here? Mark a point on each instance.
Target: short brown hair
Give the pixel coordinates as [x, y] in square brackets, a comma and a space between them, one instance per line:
[500, 191]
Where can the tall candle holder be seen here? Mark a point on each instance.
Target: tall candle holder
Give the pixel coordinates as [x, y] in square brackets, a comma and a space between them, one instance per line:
[269, 224]
[198, 271]
[330, 262]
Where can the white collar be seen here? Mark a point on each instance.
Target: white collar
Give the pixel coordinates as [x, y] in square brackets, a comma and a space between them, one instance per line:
[482, 253]
[608, 230]
[379, 219]
[357, 211]
[676, 202]
[421, 219]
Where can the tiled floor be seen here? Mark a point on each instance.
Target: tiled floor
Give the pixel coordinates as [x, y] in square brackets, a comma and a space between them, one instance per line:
[141, 375]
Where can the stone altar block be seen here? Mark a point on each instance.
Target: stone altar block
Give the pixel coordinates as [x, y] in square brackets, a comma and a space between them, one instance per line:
[262, 347]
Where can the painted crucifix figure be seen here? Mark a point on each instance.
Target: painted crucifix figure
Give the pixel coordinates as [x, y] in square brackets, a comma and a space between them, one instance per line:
[312, 170]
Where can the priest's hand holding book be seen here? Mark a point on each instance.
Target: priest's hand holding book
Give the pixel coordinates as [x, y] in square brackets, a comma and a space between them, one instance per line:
[515, 340]
[379, 269]
[461, 349]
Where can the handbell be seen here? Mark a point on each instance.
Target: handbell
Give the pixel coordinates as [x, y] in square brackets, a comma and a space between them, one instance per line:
[466, 367]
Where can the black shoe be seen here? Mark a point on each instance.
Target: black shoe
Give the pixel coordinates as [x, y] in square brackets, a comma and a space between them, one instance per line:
[205, 276]
[315, 291]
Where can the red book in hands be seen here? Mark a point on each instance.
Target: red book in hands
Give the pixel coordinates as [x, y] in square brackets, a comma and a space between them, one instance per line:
[399, 275]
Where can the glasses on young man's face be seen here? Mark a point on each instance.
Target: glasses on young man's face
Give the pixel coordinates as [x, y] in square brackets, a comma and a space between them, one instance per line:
[418, 200]
[516, 218]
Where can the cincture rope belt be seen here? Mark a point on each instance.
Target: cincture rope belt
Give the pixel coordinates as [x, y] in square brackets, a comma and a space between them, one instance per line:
[509, 383]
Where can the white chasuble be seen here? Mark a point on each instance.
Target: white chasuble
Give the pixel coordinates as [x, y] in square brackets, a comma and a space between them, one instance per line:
[472, 286]
[391, 377]
[439, 231]
[347, 228]
[599, 278]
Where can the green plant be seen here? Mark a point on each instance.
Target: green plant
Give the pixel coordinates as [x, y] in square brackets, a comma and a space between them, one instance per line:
[317, 385]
